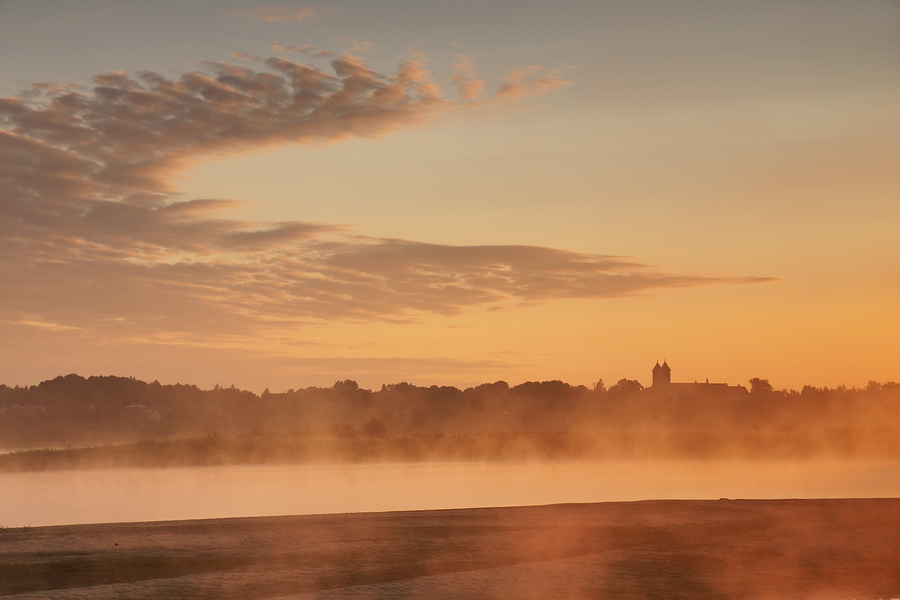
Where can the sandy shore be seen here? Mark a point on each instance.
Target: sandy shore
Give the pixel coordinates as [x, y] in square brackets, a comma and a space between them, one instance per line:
[747, 549]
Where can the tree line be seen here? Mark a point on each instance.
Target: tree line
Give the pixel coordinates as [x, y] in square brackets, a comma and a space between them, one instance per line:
[72, 410]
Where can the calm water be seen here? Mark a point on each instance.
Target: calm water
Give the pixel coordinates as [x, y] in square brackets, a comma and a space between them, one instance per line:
[116, 495]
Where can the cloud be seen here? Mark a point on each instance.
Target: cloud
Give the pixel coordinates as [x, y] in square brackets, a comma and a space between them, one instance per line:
[275, 14]
[529, 81]
[464, 78]
[42, 325]
[279, 47]
[93, 236]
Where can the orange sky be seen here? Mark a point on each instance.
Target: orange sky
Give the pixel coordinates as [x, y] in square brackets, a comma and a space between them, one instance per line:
[449, 193]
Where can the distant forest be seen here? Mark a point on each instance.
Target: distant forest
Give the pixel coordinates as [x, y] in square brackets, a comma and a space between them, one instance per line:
[402, 421]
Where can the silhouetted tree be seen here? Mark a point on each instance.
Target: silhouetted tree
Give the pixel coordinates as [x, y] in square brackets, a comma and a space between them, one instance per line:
[625, 387]
[811, 391]
[544, 389]
[760, 387]
[346, 386]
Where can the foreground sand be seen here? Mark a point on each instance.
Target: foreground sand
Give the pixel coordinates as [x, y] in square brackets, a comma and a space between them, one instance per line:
[786, 549]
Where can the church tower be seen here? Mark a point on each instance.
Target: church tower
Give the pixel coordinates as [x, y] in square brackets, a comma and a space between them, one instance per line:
[662, 375]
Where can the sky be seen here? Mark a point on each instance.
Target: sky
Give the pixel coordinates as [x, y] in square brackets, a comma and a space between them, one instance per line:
[290, 194]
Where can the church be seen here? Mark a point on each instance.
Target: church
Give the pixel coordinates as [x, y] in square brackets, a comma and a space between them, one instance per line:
[662, 384]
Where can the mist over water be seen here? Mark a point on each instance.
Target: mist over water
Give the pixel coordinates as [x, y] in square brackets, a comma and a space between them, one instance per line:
[185, 453]
[123, 495]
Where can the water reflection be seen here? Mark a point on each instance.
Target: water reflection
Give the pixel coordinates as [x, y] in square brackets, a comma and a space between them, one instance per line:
[115, 495]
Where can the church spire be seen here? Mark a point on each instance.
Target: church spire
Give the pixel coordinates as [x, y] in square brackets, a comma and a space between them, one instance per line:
[662, 374]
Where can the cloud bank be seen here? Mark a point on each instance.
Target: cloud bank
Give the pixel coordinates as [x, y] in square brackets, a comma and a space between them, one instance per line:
[93, 236]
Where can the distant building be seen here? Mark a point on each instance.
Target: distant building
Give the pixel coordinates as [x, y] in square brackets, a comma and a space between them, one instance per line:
[662, 375]
[662, 383]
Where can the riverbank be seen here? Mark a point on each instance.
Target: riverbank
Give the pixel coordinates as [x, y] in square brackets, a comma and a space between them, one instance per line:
[796, 549]
[271, 449]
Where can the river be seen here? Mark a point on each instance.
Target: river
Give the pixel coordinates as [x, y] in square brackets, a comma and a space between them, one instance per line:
[122, 495]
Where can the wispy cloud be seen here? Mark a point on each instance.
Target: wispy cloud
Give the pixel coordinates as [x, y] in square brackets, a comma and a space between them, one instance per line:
[93, 235]
[465, 79]
[275, 14]
[529, 81]
[279, 47]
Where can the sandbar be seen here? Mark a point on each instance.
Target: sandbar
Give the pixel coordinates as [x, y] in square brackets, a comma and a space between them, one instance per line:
[835, 549]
